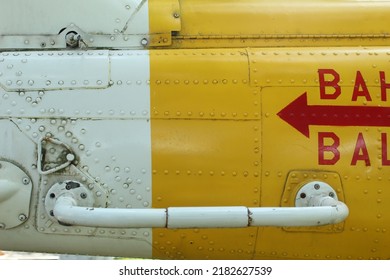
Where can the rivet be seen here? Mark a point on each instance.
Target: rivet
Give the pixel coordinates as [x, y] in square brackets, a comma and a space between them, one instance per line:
[144, 42]
[25, 180]
[22, 217]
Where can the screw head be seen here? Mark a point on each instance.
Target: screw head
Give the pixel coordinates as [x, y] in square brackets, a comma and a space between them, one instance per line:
[83, 195]
[317, 186]
[176, 15]
[331, 194]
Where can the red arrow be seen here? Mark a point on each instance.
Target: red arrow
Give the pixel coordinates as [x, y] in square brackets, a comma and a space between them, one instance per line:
[300, 115]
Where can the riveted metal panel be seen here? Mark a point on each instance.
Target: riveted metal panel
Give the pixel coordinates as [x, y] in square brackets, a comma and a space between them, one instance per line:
[108, 131]
[102, 77]
[292, 67]
[285, 149]
[205, 146]
[203, 84]
[58, 70]
[45, 23]
[254, 23]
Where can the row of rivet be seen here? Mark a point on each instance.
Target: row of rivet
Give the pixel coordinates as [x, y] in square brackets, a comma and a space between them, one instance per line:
[306, 255]
[74, 82]
[210, 173]
[208, 246]
[323, 53]
[205, 114]
[52, 111]
[169, 82]
[314, 176]
[245, 41]
[305, 81]
[197, 82]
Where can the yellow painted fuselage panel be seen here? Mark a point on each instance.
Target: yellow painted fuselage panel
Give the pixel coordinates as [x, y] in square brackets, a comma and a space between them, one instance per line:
[223, 132]
[218, 138]
[206, 133]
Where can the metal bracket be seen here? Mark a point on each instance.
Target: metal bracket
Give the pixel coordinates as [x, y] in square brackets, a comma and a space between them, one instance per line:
[306, 195]
[71, 189]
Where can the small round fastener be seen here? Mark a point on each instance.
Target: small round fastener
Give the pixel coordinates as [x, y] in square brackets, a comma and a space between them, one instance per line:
[26, 181]
[22, 217]
[144, 42]
[70, 157]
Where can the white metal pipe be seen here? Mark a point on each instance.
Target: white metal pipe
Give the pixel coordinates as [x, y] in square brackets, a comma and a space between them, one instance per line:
[207, 217]
[292, 216]
[340, 210]
[325, 210]
[68, 213]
